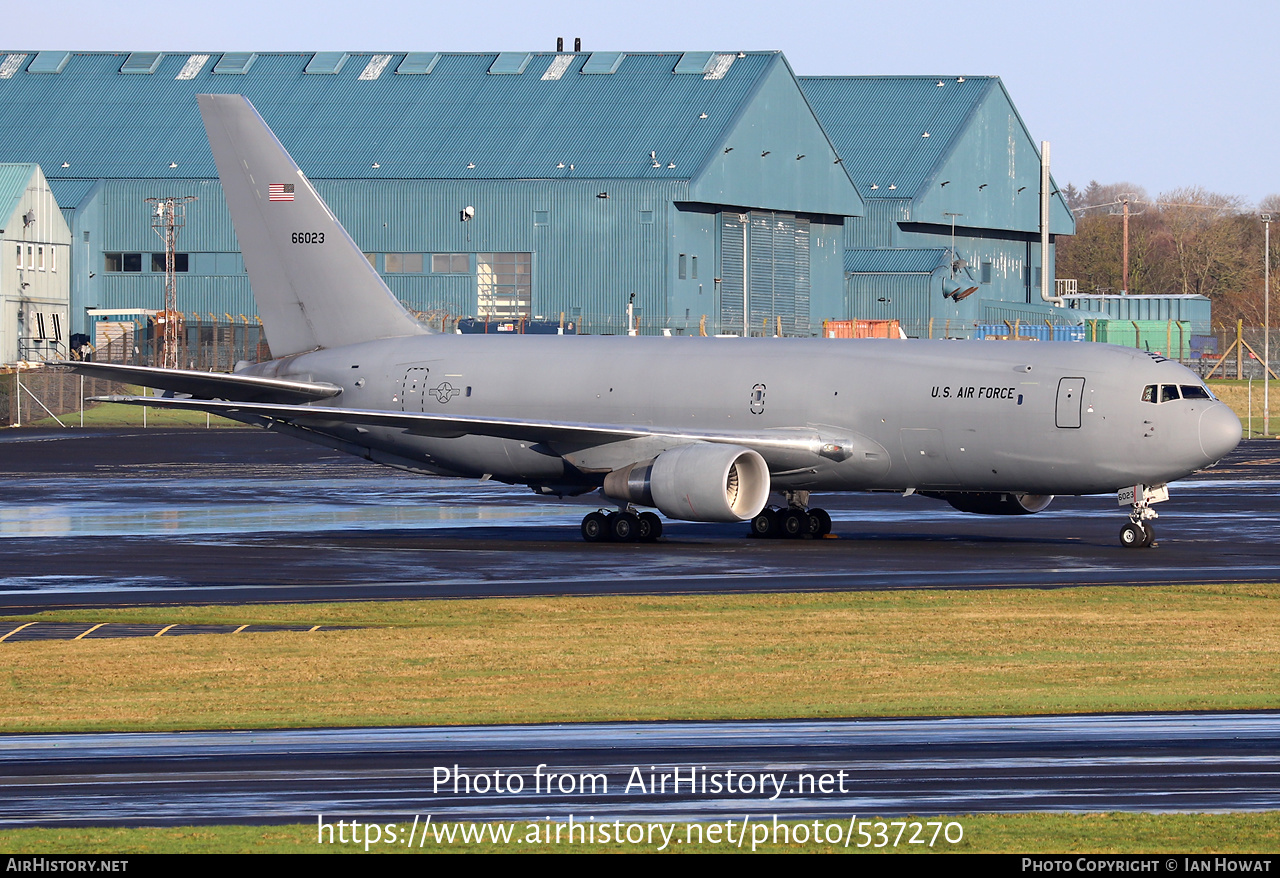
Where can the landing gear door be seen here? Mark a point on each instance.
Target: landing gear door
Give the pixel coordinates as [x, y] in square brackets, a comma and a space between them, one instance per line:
[1070, 397]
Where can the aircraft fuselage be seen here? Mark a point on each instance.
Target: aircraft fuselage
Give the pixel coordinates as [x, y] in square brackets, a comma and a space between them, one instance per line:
[1039, 418]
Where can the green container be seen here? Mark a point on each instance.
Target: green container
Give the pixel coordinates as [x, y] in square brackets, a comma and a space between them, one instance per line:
[1171, 338]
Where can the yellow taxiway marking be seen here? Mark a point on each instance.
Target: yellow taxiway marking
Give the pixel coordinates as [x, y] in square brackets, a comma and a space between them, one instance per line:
[15, 631]
[313, 628]
[164, 629]
[90, 631]
[241, 628]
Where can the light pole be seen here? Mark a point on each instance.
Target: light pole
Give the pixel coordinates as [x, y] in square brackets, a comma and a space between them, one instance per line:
[1266, 326]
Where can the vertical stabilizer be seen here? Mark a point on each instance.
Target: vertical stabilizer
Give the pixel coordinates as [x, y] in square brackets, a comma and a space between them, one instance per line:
[313, 286]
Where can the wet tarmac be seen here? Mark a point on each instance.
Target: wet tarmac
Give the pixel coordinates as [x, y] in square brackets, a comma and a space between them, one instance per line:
[227, 516]
[793, 770]
[183, 517]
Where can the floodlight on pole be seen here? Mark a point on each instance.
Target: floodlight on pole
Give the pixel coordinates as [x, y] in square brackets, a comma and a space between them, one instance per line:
[1266, 326]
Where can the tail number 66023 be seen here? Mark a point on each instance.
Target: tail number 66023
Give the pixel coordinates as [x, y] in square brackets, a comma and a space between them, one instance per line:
[308, 237]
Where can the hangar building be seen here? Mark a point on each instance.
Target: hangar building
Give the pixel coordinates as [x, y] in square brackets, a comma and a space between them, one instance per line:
[927, 151]
[35, 267]
[534, 184]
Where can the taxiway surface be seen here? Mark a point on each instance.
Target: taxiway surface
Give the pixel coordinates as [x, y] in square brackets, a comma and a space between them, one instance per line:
[793, 770]
[113, 518]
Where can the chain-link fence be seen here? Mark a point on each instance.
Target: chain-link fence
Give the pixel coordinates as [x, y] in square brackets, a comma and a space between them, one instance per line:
[207, 343]
[40, 394]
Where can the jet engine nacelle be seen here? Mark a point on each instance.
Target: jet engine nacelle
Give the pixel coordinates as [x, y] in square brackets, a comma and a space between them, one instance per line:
[700, 482]
[995, 503]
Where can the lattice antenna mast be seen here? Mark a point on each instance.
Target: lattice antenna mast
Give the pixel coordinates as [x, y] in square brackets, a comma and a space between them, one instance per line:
[168, 216]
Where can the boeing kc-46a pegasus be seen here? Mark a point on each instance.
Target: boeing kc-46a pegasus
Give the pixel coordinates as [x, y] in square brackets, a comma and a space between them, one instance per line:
[702, 429]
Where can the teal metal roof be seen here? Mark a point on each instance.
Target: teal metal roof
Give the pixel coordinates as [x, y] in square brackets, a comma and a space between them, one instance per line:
[879, 124]
[453, 120]
[69, 193]
[894, 261]
[13, 185]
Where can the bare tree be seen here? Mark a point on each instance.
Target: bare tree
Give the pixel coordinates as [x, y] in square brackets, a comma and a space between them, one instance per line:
[1206, 244]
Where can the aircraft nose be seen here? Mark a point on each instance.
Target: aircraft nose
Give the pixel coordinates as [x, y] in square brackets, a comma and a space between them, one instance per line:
[1219, 431]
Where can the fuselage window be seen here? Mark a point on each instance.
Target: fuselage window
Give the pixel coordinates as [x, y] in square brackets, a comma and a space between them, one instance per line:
[1191, 391]
[1149, 393]
[1168, 392]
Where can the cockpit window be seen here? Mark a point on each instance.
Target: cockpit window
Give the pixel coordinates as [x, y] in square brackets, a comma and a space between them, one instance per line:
[1166, 392]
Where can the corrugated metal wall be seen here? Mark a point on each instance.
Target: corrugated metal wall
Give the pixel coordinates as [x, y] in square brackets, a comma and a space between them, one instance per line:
[903, 297]
[219, 295]
[877, 228]
[590, 252]
[1193, 309]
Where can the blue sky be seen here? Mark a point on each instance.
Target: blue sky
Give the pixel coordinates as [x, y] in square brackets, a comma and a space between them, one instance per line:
[1159, 94]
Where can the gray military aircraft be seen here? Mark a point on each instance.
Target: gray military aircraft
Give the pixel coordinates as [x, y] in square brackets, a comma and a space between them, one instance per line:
[703, 429]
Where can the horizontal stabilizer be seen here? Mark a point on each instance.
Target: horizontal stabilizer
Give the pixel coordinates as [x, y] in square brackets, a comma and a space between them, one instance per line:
[210, 385]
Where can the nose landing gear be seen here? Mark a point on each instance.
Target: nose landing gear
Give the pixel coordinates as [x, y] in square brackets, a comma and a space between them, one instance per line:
[1139, 532]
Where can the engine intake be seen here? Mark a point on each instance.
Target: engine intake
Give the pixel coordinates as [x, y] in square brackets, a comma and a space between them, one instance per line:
[700, 482]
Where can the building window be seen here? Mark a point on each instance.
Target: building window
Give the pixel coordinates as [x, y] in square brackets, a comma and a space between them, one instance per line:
[53, 258]
[694, 265]
[504, 285]
[403, 263]
[986, 272]
[451, 263]
[646, 217]
[31, 256]
[122, 261]
[181, 262]
[373, 260]
[681, 270]
[541, 217]
[40, 263]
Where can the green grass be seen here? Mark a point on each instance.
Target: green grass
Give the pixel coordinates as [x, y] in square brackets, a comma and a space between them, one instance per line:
[1236, 394]
[705, 657]
[576, 659]
[982, 833]
[109, 414]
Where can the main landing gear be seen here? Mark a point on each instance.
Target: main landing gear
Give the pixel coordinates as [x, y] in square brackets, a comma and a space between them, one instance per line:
[794, 522]
[1139, 532]
[623, 526]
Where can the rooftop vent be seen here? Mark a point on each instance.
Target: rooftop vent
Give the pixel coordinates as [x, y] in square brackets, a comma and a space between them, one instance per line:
[512, 63]
[419, 62]
[327, 62]
[603, 62]
[142, 62]
[235, 62]
[49, 62]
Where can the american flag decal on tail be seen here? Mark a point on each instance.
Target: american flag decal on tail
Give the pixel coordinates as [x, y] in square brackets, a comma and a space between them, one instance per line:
[279, 192]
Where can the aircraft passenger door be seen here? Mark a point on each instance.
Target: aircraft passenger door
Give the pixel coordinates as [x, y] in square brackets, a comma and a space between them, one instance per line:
[1070, 397]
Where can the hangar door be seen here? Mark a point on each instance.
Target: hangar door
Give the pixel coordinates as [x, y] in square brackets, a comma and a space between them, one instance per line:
[774, 247]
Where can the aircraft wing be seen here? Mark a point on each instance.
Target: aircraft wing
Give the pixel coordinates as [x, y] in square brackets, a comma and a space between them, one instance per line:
[210, 385]
[781, 448]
